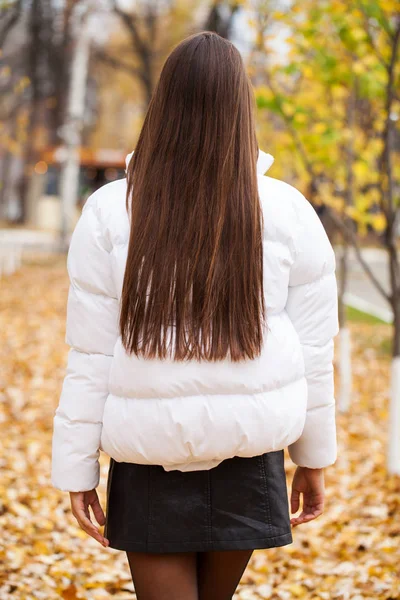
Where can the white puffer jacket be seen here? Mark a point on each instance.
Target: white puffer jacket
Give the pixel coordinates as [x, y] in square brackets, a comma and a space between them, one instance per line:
[193, 415]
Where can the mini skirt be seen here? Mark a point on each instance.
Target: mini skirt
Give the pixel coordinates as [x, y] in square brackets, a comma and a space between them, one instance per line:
[240, 504]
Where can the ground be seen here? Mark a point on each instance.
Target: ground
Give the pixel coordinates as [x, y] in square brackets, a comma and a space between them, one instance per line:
[350, 552]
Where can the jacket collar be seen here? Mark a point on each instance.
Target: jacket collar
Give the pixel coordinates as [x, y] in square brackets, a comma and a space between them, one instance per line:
[263, 163]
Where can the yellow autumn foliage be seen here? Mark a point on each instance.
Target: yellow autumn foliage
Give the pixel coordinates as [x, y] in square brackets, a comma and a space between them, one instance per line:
[330, 94]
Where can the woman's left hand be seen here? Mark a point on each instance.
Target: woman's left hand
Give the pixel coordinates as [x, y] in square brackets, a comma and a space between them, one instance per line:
[80, 502]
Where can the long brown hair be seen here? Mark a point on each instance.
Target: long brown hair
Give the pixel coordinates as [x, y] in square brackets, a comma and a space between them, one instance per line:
[195, 259]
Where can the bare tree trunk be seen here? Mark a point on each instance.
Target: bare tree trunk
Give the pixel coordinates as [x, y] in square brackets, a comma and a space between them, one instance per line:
[58, 55]
[4, 178]
[143, 45]
[34, 28]
[218, 21]
[9, 18]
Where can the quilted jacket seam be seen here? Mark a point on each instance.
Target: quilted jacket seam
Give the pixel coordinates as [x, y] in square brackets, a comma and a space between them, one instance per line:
[315, 280]
[86, 291]
[77, 349]
[219, 393]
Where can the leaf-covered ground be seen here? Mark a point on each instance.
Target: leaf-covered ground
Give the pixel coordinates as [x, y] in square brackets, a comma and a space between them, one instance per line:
[351, 552]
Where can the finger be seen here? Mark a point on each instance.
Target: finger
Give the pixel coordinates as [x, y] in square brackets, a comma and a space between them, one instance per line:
[298, 521]
[98, 511]
[94, 533]
[87, 525]
[302, 518]
[294, 501]
[305, 517]
[85, 509]
[311, 507]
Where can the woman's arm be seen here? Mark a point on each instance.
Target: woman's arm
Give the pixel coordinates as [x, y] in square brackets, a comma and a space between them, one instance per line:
[312, 305]
[91, 332]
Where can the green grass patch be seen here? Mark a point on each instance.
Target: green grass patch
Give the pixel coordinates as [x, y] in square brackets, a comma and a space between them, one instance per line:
[380, 340]
[358, 316]
[385, 347]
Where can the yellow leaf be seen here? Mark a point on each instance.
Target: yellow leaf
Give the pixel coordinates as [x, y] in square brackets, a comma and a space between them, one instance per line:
[319, 128]
[69, 593]
[278, 15]
[358, 34]
[20, 509]
[308, 71]
[300, 118]
[288, 108]
[297, 590]
[339, 91]
[358, 68]
[41, 548]
[378, 222]
[81, 534]
[361, 169]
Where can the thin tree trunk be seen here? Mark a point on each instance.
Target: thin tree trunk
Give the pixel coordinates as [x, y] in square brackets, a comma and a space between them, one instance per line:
[34, 28]
[4, 188]
[393, 452]
[143, 46]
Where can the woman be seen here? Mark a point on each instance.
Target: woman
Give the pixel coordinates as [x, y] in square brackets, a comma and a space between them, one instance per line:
[201, 315]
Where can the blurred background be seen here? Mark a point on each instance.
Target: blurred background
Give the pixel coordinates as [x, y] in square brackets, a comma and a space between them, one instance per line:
[76, 78]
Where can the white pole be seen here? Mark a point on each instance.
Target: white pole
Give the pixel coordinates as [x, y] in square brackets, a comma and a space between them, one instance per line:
[345, 370]
[393, 458]
[72, 129]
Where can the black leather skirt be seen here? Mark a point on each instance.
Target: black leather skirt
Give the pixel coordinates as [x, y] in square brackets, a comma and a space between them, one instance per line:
[240, 504]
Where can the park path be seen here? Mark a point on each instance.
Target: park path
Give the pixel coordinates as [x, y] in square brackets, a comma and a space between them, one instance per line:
[361, 292]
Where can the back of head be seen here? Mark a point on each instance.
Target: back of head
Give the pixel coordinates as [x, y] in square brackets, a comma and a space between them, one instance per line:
[195, 251]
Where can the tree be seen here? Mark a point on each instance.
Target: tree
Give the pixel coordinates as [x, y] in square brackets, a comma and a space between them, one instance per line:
[220, 17]
[11, 12]
[36, 43]
[152, 27]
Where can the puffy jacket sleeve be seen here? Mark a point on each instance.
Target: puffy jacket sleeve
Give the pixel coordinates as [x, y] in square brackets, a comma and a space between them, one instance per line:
[312, 306]
[91, 333]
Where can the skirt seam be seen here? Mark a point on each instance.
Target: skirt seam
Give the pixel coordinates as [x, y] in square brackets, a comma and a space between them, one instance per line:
[149, 513]
[265, 495]
[164, 548]
[272, 537]
[209, 516]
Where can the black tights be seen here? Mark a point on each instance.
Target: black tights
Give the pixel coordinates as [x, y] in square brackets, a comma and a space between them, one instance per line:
[212, 575]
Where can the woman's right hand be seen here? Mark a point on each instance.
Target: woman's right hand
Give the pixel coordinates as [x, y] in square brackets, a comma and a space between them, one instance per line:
[80, 502]
[310, 483]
